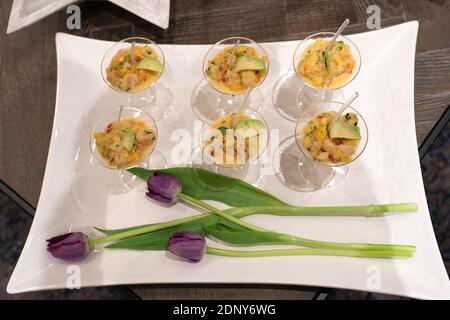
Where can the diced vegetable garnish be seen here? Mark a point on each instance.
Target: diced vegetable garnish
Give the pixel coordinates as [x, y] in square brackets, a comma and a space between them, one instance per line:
[125, 143]
[248, 143]
[127, 76]
[235, 73]
[336, 146]
[329, 69]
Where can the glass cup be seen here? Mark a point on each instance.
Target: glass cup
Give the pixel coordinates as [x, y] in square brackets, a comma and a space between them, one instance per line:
[292, 94]
[309, 94]
[298, 170]
[209, 96]
[143, 161]
[245, 144]
[320, 174]
[150, 96]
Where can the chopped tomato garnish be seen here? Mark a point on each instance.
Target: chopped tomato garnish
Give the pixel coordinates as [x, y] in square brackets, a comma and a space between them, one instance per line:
[349, 68]
[338, 141]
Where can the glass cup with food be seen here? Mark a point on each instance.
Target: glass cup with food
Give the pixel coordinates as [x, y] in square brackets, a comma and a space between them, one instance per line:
[123, 139]
[232, 141]
[133, 66]
[325, 70]
[232, 67]
[329, 143]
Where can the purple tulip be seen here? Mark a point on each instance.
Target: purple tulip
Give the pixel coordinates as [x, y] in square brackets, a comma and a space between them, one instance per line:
[188, 245]
[163, 188]
[69, 246]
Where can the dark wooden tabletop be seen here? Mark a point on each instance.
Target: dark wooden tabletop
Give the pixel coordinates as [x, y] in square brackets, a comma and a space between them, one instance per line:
[28, 73]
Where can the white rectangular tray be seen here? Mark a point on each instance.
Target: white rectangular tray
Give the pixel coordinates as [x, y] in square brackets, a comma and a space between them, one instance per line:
[73, 194]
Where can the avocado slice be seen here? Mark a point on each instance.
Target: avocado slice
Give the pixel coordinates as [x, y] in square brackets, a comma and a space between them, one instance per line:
[247, 124]
[151, 64]
[250, 124]
[344, 130]
[128, 140]
[337, 47]
[246, 62]
[327, 59]
[328, 62]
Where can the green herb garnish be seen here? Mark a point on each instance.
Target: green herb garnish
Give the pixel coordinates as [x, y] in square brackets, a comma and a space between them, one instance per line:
[223, 130]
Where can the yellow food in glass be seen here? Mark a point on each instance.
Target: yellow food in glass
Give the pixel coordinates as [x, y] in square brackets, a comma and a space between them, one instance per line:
[234, 139]
[234, 73]
[125, 143]
[321, 147]
[331, 70]
[126, 75]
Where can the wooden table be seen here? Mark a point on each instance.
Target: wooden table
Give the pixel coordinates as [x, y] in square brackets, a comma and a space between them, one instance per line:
[28, 77]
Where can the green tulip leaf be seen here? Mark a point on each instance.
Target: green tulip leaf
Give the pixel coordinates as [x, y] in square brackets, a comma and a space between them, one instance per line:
[246, 237]
[113, 231]
[157, 240]
[205, 185]
[225, 225]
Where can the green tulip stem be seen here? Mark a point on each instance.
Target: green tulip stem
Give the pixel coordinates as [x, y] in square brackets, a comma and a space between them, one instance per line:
[145, 229]
[218, 212]
[372, 210]
[236, 213]
[309, 251]
[289, 239]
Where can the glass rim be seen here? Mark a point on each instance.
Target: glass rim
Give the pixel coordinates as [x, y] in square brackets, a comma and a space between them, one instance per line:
[266, 144]
[123, 41]
[331, 34]
[92, 143]
[339, 164]
[230, 38]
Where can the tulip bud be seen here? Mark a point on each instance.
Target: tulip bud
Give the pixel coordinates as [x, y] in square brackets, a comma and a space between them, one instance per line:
[188, 245]
[163, 188]
[69, 246]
